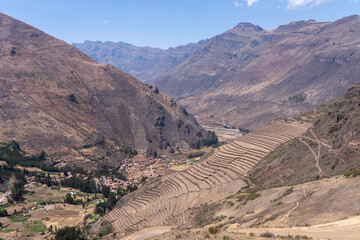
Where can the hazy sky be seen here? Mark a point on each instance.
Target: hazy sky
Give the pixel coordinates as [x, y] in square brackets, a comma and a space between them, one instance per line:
[165, 23]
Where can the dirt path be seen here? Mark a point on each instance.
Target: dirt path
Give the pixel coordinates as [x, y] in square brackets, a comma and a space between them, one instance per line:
[148, 233]
[319, 143]
[315, 156]
[287, 216]
[347, 229]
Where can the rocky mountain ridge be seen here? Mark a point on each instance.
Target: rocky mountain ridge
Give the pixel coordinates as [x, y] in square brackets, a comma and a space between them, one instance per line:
[249, 76]
[145, 63]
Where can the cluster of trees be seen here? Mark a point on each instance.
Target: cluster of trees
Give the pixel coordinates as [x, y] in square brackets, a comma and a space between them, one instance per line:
[244, 130]
[85, 185]
[129, 152]
[196, 154]
[7, 171]
[112, 198]
[106, 205]
[69, 233]
[45, 179]
[12, 154]
[297, 98]
[210, 141]
[71, 199]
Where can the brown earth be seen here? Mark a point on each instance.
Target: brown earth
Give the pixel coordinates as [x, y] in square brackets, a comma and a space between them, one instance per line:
[331, 142]
[38, 74]
[249, 76]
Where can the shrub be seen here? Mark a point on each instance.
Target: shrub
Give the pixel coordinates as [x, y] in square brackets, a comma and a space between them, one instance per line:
[72, 98]
[352, 173]
[3, 213]
[213, 230]
[267, 235]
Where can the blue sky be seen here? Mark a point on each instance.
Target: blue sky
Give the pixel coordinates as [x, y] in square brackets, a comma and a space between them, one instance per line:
[165, 23]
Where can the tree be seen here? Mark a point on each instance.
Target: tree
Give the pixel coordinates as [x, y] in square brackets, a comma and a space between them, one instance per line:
[105, 191]
[198, 144]
[17, 192]
[69, 233]
[3, 213]
[69, 199]
[131, 187]
[112, 201]
[120, 191]
[72, 98]
[42, 155]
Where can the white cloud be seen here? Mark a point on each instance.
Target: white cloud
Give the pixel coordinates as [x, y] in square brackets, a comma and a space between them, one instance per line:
[106, 21]
[295, 4]
[237, 4]
[250, 2]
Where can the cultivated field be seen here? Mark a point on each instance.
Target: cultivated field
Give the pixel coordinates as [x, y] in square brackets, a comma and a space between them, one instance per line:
[175, 200]
[43, 207]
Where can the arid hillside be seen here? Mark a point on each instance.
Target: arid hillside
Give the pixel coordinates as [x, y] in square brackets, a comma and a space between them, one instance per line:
[329, 148]
[249, 76]
[293, 179]
[55, 98]
[145, 63]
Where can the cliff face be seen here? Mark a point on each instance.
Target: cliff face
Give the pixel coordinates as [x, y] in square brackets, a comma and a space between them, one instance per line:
[249, 76]
[145, 63]
[54, 97]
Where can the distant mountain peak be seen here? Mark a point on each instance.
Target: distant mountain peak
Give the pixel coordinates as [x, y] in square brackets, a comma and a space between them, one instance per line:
[248, 76]
[296, 25]
[145, 63]
[248, 27]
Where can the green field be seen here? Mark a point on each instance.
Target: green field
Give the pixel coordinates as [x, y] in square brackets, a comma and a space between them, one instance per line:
[18, 219]
[35, 226]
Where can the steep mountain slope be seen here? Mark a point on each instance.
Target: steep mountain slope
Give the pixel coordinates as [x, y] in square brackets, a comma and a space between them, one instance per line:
[329, 148]
[145, 63]
[249, 76]
[54, 97]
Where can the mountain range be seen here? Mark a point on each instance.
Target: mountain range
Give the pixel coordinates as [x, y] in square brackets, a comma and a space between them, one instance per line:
[145, 63]
[55, 98]
[249, 76]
